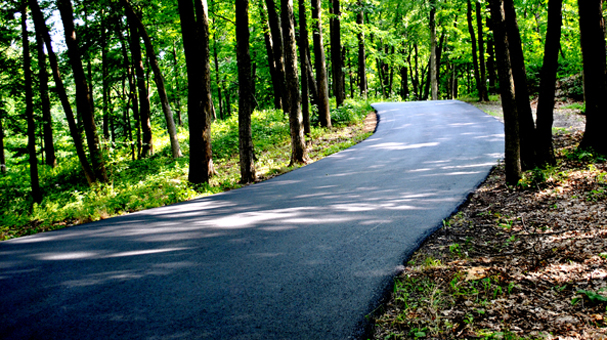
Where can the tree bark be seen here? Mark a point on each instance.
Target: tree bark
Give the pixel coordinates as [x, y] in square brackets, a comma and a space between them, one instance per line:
[245, 105]
[513, 163]
[491, 66]
[525, 116]
[84, 103]
[303, 55]
[2, 155]
[47, 122]
[164, 99]
[592, 28]
[322, 84]
[267, 37]
[404, 87]
[336, 60]
[278, 50]
[433, 61]
[29, 109]
[195, 32]
[545, 105]
[481, 53]
[298, 145]
[474, 54]
[147, 142]
[362, 73]
[176, 67]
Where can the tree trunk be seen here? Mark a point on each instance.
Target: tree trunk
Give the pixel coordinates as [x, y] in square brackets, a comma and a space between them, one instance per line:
[336, 61]
[322, 84]
[222, 114]
[47, 122]
[525, 116]
[267, 37]
[312, 88]
[491, 66]
[298, 145]
[105, 81]
[147, 143]
[513, 164]
[362, 73]
[245, 103]
[433, 61]
[29, 109]
[164, 99]
[176, 67]
[545, 105]
[303, 55]
[404, 87]
[592, 33]
[474, 54]
[277, 48]
[2, 155]
[83, 101]
[481, 53]
[195, 32]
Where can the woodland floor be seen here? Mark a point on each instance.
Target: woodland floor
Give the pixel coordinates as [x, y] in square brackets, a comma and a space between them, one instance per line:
[524, 262]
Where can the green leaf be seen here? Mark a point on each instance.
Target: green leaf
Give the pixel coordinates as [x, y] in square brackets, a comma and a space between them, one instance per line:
[594, 297]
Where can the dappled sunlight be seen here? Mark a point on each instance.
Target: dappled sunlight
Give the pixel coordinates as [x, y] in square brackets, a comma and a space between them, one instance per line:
[392, 146]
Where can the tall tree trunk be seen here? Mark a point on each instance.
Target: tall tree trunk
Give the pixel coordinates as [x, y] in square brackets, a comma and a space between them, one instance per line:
[2, 155]
[105, 81]
[267, 37]
[132, 94]
[228, 101]
[277, 48]
[404, 87]
[474, 54]
[417, 85]
[491, 65]
[218, 82]
[545, 105]
[481, 53]
[47, 122]
[42, 29]
[303, 55]
[245, 103]
[433, 59]
[147, 142]
[336, 60]
[312, 88]
[513, 163]
[83, 102]
[362, 73]
[178, 87]
[592, 28]
[195, 32]
[525, 116]
[322, 84]
[29, 109]
[164, 99]
[298, 145]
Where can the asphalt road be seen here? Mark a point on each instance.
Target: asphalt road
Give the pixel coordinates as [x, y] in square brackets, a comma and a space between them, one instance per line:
[305, 255]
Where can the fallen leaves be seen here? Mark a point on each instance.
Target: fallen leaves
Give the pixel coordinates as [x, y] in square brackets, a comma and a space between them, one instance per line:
[513, 263]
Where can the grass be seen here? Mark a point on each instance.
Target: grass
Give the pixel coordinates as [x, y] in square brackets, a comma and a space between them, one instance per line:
[160, 180]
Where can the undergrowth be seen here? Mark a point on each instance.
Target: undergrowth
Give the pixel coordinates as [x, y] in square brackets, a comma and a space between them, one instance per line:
[160, 180]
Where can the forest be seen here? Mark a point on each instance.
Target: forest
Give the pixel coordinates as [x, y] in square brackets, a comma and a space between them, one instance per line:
[113, 106]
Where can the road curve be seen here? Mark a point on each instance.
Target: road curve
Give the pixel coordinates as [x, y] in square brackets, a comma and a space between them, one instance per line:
[305, 255]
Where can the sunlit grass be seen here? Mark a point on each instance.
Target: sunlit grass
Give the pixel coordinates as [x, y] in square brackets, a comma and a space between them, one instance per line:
[161, 180]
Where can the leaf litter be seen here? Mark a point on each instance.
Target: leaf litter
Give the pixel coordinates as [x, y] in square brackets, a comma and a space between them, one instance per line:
[524, 262]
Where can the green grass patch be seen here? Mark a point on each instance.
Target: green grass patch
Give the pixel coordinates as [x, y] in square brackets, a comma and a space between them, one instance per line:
[160, 180]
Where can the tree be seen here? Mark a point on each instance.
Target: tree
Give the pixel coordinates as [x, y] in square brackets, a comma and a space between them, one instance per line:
[592, 30]
[277, 48]
[362, 72]
[195, 32]
[322, 84]
[158, 79]
[433, 61]
[246, 147]
[474, 55]
[147, 142]
[304, 46]
[2, 155]
[291, 93]
[84, 103]
[513, 163]
[29, 109]
[47, 122]
[545, 105]
[61, 92]
[519, 74]
[481, 53]
[336, 60]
